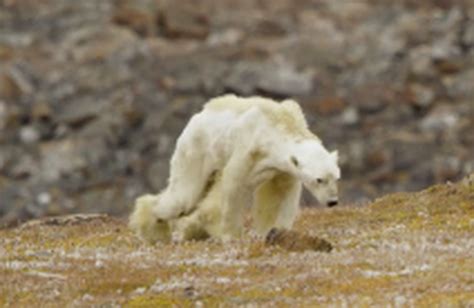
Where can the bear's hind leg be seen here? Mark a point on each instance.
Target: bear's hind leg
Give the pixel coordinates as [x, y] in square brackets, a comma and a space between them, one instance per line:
[204, 221]
[145, 224]
[190, 228]
[189, 176]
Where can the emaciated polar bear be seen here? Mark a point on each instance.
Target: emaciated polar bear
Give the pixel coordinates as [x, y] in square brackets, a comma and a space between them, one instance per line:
[235, 153]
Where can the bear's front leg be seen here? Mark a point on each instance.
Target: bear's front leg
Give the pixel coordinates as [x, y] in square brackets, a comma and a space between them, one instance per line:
[233, 214]
[290, 205]
[236, 196]
[276, 203]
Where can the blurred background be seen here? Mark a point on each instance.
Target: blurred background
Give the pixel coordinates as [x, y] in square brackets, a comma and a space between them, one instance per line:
[94, 93]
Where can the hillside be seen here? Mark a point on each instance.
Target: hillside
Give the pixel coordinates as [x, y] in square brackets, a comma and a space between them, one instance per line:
[402, 249]
[93, 94]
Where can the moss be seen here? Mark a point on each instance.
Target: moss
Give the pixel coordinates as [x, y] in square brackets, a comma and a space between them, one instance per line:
[160, 300]
[19, 299]
[446, 299]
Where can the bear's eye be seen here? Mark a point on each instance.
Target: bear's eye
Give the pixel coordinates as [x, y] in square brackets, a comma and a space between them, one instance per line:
[320, 181]
[294, 161]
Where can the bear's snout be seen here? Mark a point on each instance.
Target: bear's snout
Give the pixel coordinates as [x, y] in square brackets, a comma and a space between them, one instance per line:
[332, 203]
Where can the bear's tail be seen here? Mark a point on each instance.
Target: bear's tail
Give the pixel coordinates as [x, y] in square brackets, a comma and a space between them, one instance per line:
[144, 223]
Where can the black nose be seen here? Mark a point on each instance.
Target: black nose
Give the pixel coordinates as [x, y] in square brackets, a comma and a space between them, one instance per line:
[332, 203]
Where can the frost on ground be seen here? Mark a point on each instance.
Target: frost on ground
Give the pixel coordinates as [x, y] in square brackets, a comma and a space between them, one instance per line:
[403, 249]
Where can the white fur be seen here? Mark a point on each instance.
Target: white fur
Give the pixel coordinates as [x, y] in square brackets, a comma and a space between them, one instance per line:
[235, 152]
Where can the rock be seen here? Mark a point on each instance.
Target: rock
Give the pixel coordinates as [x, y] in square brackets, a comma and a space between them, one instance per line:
[6, 53]
[350, 116]
[184, 22]
[80, 113]
[269, 28]
[157, 174]
[284, 80]
[420, 95]
[24, 167]
[243, 78]
[95, 43]
[378, 157]
[112, 197]
[447, 169]
[3, 115]
[294, 241]
[131, 114]
[449, 66]
[68, 220]
[406, 153]
[356, 152]
[21, 79]
[59, 158]
[9, 89]
[468, 35]
[372, 97]
[420, 62]
[140, 21]
[322, 51]
[29, 135]
[460, 85]
[43, 198]
[330, 105]
[41, 111]
[439, 120]
[226, 37]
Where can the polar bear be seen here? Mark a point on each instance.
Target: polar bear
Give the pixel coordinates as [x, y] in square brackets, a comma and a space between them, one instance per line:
[238, 153]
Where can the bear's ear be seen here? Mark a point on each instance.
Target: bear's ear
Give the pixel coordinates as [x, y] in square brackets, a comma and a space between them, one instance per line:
[335, 155]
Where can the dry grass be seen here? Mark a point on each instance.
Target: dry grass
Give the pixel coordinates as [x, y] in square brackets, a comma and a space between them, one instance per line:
[404, 249]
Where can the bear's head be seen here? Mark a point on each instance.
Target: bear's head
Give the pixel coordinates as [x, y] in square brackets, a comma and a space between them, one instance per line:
[317, 169]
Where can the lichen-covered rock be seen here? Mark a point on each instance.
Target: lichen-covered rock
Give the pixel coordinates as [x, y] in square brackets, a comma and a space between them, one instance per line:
[294, 241]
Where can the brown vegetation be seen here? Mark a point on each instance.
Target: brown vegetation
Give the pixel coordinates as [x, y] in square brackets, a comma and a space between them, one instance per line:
[403, 249]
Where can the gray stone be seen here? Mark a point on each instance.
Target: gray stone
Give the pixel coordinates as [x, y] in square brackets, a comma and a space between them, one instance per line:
[461, 85]
[184, 22]
[423, 96]
[29, 135]
[284, 80]
[438, 120]
[157, 174]
[3, 115]
[243, 78]
[227, 37]
[468, 35]
[25, 166]
[420, 62]
[60, 158]
[350, 116]
[80, 112]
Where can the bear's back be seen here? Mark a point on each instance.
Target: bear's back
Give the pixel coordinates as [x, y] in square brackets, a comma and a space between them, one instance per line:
[286, 115]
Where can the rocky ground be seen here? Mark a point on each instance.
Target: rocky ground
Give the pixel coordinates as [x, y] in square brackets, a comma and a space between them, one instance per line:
[94, 93]
[403, 250]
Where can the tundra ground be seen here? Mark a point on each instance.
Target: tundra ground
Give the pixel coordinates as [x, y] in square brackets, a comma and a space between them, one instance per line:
[402, 249]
